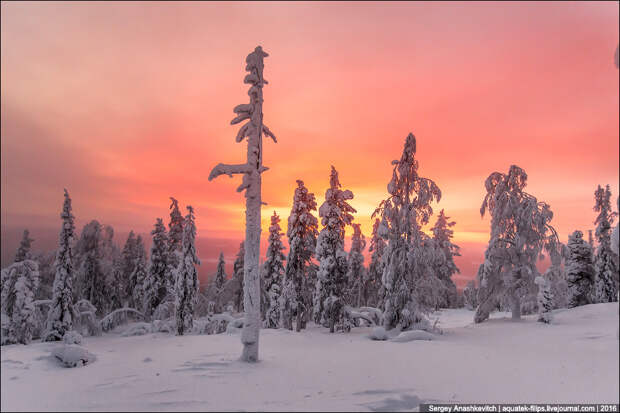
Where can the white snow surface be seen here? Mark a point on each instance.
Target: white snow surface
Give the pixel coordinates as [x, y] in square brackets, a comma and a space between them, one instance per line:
[574, 359]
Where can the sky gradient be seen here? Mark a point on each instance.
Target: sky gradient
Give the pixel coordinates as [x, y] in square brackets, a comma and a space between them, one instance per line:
[126, 104]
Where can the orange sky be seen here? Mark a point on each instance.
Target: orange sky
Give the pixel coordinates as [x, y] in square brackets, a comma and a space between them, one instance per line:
[126, 104]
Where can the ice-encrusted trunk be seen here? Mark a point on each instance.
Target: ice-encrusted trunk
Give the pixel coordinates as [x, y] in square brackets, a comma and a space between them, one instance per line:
[251, 170]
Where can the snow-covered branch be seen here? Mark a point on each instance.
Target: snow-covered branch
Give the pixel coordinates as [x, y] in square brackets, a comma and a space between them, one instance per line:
[224, 169]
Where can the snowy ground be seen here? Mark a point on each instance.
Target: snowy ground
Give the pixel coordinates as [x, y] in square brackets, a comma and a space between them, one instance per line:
[573, 360]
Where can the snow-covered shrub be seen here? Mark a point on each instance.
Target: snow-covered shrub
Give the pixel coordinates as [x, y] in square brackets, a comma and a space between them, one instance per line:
[379, 334]
[72, 355]
[117, 317]
[412, 335]
[137, 329]
[470, 294]
[72, 337]
[86, 321]
[163, 326]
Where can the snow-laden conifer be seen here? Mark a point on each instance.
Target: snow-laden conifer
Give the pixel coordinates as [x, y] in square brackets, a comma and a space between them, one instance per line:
[127, 264]
[357, 278]
[251, 170]
[90, 274]
[444, 266]
[186, 276]
[19, 283]
[23, 252]
[605, 264]
[156, 282]
[216, 288]
[237, 280]
[139, 275]
[273, 273]
[175, 242]
[544, 299]
[330, 293]
[302, 232]
[407, 262]
[62, 315]
[470, 294]
[520, 230]
[374, 288]
[579, 271]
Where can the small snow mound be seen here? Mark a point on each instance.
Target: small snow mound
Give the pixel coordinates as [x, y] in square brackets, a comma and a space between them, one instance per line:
[412, 335]
[72, 355]
[378, 333]
[137, 329]
[72, 337]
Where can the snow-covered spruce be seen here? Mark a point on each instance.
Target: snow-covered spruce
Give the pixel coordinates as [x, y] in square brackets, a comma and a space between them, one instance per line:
[156, 284]
[175, 243]
[216, 287]
[579, 271]
[295, 305]
[62, 315]
[520, 230]
[407, 262]
[444, 266]
[374, 288]
[357, 277]
[605, 263]
[138, 276]
[235, 284]
[330, 293]
[186, 276]
[127, 264]
[470, 294]
[273, 273]
[23, 252]
[251, 170]
[544, 299]
[19, 282]
[91, 279]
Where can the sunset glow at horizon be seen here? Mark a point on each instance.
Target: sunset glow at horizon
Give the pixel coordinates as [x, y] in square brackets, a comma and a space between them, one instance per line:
[127, 104]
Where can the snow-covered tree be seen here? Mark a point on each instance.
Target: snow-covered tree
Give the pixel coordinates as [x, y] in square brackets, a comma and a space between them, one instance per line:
[444, 266]
[19, 283]
[251, 170]
[406, 265]
[156, 282]
[302, 233]
[175, 242]
[335, 213]
[186, 280]
[273, 273]
[374, 288]
[126, 268]
[520, 230]
[139, 275]
[61, 315]
[23, 252]
[90, 275]
[236, 282]
[544, 299]
[216, 288]
[357, 278]
[605, 264]
[470, 295]
[579, 271]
